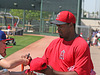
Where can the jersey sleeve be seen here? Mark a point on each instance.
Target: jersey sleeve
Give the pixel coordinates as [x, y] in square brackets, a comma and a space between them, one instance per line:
[83, 63]
[48, 51]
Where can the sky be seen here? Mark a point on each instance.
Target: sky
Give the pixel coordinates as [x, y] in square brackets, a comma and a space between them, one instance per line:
[91, 5]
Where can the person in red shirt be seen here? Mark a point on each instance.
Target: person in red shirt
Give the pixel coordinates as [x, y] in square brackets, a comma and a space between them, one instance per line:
[15, 24]
[67, 55]
[9, 27]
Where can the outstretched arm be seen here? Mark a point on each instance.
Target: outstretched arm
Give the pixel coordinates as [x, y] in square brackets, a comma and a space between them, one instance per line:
[50, 71]
[13, 63]
[17, 73]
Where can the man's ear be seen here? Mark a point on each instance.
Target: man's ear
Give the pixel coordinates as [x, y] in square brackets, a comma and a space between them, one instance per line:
[71, 24]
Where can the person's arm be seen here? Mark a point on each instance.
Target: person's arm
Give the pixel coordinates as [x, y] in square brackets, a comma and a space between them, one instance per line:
[50, 71]
[6, 72]
[17, 73]
[13, 63]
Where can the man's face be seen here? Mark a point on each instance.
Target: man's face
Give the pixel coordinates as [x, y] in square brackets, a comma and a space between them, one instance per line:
[63, 31]
[3, 48]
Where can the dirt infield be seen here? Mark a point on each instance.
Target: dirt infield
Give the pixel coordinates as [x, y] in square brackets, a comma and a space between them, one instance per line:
[35, 49]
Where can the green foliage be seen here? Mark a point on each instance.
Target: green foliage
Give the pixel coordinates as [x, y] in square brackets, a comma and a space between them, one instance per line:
[92, 12]
[30, 14]
[97, 13]
[21, 42]
[16, 12]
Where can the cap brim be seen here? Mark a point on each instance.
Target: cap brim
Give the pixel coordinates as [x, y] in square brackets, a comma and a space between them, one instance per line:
[7, 39]
[57, 22]
[9, 47]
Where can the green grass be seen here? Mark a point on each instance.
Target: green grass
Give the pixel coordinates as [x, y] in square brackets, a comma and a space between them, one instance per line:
[21, 42]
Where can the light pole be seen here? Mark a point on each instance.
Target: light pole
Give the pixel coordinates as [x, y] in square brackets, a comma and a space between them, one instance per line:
[40, 28]
[78, 22]
[23, 18]
[83, 9]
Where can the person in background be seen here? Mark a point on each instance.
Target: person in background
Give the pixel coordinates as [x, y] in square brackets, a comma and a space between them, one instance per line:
[99, 42]
[94, 40]
[81, 34]
[88, 41]
[98, 34]
[4, 64]
[98, 37]
[15, 24]
[9, 27]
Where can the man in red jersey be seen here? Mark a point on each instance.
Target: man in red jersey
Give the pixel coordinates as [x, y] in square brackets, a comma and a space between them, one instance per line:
[67, 55]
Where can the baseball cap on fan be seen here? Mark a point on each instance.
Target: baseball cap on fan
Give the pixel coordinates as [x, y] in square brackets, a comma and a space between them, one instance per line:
[64, 17]
[3, 37]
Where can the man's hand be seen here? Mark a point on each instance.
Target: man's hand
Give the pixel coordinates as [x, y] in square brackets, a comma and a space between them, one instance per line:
[50, 71]
[28, 57]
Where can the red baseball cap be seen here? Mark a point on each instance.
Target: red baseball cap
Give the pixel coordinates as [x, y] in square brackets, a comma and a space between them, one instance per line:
[64, 17]
[37, 64]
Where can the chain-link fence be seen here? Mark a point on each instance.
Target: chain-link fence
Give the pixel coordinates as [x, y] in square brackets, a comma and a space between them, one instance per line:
[85, 30]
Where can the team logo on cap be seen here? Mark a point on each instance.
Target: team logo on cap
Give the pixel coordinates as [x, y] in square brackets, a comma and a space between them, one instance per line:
[62, 54]
[58, 16]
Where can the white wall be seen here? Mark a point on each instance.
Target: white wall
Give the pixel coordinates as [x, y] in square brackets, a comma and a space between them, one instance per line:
[95, 24]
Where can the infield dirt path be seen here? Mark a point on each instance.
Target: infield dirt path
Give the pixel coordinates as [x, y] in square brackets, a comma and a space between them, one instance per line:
[35, 49]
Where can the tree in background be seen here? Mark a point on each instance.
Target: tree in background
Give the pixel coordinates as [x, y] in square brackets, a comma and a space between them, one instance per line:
[32, 15]
[29, 14]
[16, 12]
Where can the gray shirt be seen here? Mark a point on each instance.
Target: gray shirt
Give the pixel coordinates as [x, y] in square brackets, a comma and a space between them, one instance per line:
[1, 57]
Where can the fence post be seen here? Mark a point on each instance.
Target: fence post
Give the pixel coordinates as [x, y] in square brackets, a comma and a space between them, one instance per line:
[78, 22]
